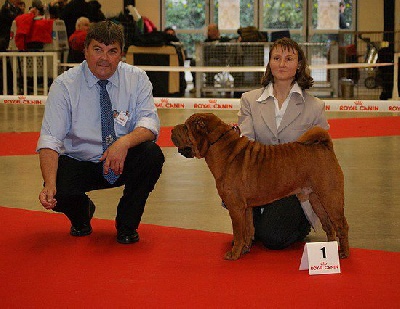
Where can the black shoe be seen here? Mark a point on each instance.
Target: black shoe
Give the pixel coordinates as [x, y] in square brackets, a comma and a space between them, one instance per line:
[125, 236]
[84, 229]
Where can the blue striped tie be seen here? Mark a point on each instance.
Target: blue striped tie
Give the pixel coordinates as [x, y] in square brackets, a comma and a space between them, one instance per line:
[107, 126]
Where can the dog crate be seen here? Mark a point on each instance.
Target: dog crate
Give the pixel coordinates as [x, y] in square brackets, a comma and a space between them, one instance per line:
[231, 54]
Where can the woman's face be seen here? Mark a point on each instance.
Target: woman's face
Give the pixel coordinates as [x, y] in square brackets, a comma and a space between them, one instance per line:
[283, 64]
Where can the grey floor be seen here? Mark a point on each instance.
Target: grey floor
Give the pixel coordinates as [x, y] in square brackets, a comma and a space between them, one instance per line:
[185, 195]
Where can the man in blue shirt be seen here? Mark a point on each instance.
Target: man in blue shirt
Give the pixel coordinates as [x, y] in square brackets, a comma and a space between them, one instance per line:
[71, 145]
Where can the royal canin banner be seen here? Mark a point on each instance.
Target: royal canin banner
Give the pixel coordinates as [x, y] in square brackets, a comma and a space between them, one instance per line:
[389, 106]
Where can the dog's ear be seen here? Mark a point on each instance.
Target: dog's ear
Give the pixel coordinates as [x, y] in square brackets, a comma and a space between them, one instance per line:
[198, 131]
[200, 124]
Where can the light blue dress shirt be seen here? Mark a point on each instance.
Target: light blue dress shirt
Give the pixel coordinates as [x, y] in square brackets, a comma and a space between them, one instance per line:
[72, 124]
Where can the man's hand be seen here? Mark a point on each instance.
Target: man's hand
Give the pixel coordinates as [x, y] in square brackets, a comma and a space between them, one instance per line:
[46, 197]
[114, 157]
[48, 165]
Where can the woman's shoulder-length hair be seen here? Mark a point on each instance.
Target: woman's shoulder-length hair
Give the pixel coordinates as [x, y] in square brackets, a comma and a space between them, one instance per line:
[302, 77]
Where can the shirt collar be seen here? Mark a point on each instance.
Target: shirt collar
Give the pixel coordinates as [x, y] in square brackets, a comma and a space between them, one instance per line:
[92, 80]
[269, 92]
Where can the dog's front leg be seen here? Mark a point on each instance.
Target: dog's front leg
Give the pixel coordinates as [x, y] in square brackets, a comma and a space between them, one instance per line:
[239, 228]
[249, 237]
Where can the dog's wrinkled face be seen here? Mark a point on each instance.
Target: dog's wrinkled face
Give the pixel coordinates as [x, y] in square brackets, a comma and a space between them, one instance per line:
[180, 138]
[193, 137]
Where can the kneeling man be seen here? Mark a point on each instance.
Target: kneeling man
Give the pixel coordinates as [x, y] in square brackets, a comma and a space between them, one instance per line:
[98, 132]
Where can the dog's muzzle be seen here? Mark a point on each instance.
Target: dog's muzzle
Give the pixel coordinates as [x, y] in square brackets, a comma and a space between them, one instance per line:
[186, 152]
[184, 148]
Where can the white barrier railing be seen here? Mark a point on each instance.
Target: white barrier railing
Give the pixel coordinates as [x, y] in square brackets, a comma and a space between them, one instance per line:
[375, 106]
[21, 71]
[19, 67]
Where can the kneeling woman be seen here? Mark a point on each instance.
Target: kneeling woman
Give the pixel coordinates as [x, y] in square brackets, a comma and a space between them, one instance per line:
[280, 112]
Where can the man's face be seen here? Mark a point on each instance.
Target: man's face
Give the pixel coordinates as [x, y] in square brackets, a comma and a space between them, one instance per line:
[103, 59]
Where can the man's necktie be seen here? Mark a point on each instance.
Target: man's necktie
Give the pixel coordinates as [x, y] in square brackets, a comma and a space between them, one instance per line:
[107, 126]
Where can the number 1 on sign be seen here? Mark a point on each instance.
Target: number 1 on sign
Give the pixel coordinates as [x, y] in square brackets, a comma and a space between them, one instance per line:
[323, 252]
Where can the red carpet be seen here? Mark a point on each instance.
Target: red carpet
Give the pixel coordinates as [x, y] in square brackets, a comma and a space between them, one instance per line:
[41, 266]
[25, 143]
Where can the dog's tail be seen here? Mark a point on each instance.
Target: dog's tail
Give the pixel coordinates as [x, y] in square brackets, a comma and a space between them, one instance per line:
[316, 135]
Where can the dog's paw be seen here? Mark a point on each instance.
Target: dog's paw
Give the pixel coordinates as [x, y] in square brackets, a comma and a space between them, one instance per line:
[231, 256]
[343, 255]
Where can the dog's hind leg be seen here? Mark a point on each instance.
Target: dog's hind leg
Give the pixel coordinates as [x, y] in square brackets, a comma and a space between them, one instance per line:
[343, 234]
[319, 210]
[331, 209]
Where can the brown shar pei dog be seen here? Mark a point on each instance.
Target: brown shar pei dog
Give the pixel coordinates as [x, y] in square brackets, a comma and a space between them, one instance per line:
[250, 174]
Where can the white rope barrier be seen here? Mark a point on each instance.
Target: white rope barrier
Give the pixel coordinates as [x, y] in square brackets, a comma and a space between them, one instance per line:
[356, 105]
[152, 68]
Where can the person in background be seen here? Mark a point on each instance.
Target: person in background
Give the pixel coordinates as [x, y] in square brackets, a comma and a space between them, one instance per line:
[212, 53]
[342, 24]
[33, 29]
[77, 41]
[342, 19]
[98, 132]
[214, 35]
[171, 34]
[280, 112]
[22, 6]
[8, 12]
[72, 11]
[95, 13]
[56, 8]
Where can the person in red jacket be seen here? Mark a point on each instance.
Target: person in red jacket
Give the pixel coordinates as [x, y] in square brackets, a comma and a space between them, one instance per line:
[77, 40]
[33, 30]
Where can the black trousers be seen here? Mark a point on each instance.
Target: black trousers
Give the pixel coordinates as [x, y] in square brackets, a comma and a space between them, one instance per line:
[281, 223]
[142, 168]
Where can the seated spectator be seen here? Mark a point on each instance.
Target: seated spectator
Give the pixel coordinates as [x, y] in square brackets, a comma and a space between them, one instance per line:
[77, 40]
[171, 35]
[214, 35]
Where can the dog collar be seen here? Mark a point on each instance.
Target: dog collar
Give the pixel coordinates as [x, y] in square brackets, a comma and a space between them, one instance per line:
[223, 134]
